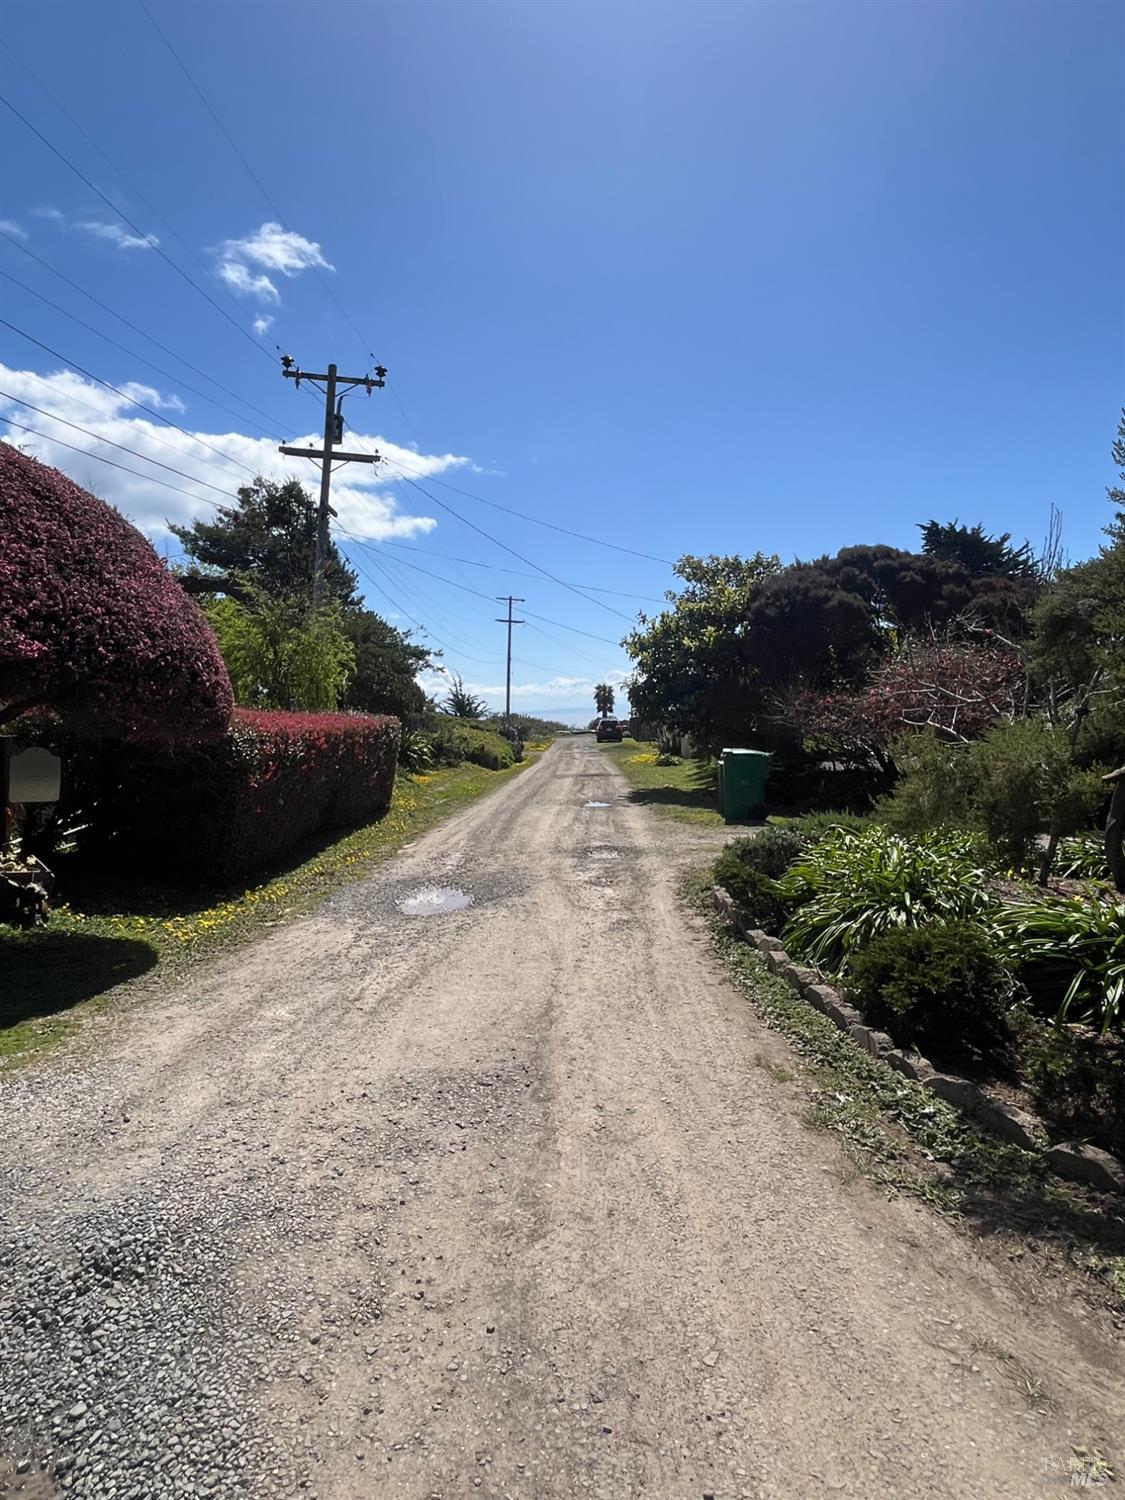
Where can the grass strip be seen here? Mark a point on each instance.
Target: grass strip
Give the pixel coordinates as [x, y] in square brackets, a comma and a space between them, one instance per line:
[107, 931]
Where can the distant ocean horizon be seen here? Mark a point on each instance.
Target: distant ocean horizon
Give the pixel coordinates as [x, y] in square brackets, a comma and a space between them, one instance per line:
[573, 716]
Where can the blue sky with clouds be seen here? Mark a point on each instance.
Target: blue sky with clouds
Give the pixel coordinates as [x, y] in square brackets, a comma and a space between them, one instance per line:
[681, 277]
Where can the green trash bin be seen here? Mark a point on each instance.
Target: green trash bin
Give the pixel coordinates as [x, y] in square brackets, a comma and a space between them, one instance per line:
[742, 782]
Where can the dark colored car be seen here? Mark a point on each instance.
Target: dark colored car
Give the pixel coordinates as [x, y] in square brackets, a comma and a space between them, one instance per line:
[608, 729]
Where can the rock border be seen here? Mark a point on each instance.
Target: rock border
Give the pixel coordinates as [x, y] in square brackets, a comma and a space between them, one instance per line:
[1069, 1159]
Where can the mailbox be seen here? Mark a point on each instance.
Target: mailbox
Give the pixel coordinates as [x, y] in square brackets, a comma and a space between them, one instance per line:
[34, 775]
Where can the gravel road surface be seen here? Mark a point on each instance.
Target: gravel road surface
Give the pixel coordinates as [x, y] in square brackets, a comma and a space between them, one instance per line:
[492, 1200]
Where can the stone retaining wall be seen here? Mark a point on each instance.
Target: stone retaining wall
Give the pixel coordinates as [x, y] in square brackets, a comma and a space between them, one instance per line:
[1073, 1160]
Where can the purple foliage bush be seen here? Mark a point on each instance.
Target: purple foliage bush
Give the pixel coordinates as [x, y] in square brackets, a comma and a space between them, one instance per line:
[92, 625]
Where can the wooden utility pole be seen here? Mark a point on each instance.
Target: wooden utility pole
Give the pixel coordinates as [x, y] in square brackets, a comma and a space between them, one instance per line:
[509, 600]
[330, 453]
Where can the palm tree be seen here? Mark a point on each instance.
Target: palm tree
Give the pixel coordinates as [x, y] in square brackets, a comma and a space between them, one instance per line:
[463, 704]
[603, 699]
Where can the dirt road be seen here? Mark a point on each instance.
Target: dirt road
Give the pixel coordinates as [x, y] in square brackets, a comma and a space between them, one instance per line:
[494, 1202]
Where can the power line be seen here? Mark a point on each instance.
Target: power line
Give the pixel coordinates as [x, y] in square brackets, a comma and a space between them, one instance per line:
[580, 652]
[479, 595]
[504, 546]
[605, 640]
[400, 607]
[473, 562]
[112, 463]
[99, 412]
[151, 411]
[257, 181]
[535, 665]
[276, 425]
[132, 187]
[175, 380]
[535, 520]
[424, 603]
[98, 438]
[274, 208]
[119, 213]
[449, 582]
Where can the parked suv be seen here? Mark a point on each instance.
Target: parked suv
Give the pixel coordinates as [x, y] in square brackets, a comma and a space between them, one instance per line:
[608, 729]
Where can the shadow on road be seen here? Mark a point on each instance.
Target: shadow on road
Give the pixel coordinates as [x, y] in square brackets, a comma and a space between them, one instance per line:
[42, 972]
[675, 796]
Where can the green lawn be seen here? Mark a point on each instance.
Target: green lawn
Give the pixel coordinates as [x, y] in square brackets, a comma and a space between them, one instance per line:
[106, 931]
[685, 791]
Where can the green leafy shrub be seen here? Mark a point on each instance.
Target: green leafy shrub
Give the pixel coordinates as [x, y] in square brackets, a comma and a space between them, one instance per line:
[1083, 857]
[813, 826]
[1078, 1081]
[752, 889]
[772, 851]
[851, 887]
[1070, 956]
[415, 750]
[1016, 782]
[934, 789]
[280, 653]
[455, 740]
[938, 987]
[749, 868]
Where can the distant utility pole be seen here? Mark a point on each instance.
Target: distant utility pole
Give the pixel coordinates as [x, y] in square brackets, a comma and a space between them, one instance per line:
[509, 600]
[333, 434]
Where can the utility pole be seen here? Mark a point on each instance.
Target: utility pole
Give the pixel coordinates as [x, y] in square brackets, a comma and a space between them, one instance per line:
[333, 434]
[509, 600]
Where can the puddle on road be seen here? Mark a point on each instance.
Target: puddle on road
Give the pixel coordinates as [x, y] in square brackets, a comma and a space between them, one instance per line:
[595, 804]
[603, 852]
[434, 901]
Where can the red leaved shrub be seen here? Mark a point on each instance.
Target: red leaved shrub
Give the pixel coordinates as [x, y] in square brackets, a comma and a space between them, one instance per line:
[92, 625]
[957, 688]
[216, 810]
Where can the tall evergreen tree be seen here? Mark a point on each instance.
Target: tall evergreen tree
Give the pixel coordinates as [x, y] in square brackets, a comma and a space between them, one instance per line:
[268, 538]
[981, 555]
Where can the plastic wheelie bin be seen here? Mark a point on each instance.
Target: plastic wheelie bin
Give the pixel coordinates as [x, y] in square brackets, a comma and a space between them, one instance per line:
[742, 782]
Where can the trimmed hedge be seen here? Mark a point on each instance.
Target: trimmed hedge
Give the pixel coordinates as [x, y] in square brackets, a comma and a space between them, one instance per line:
[215, 811]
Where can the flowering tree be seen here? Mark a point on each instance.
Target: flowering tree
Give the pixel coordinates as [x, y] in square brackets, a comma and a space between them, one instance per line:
[955, 688]
[92, 625]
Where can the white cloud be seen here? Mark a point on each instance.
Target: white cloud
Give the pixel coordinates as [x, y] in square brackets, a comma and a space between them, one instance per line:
[267, 248]
[45, 211]
[118, 235]
[360, 494]
[235, 275]
[276, 249]
[9, 226]
[152, 397]
[407, 463]
[262, 324]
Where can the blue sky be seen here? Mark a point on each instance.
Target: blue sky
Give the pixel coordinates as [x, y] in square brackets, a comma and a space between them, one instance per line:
[682, 277]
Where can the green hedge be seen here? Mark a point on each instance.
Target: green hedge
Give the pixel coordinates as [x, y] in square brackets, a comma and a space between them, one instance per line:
[457, 740]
